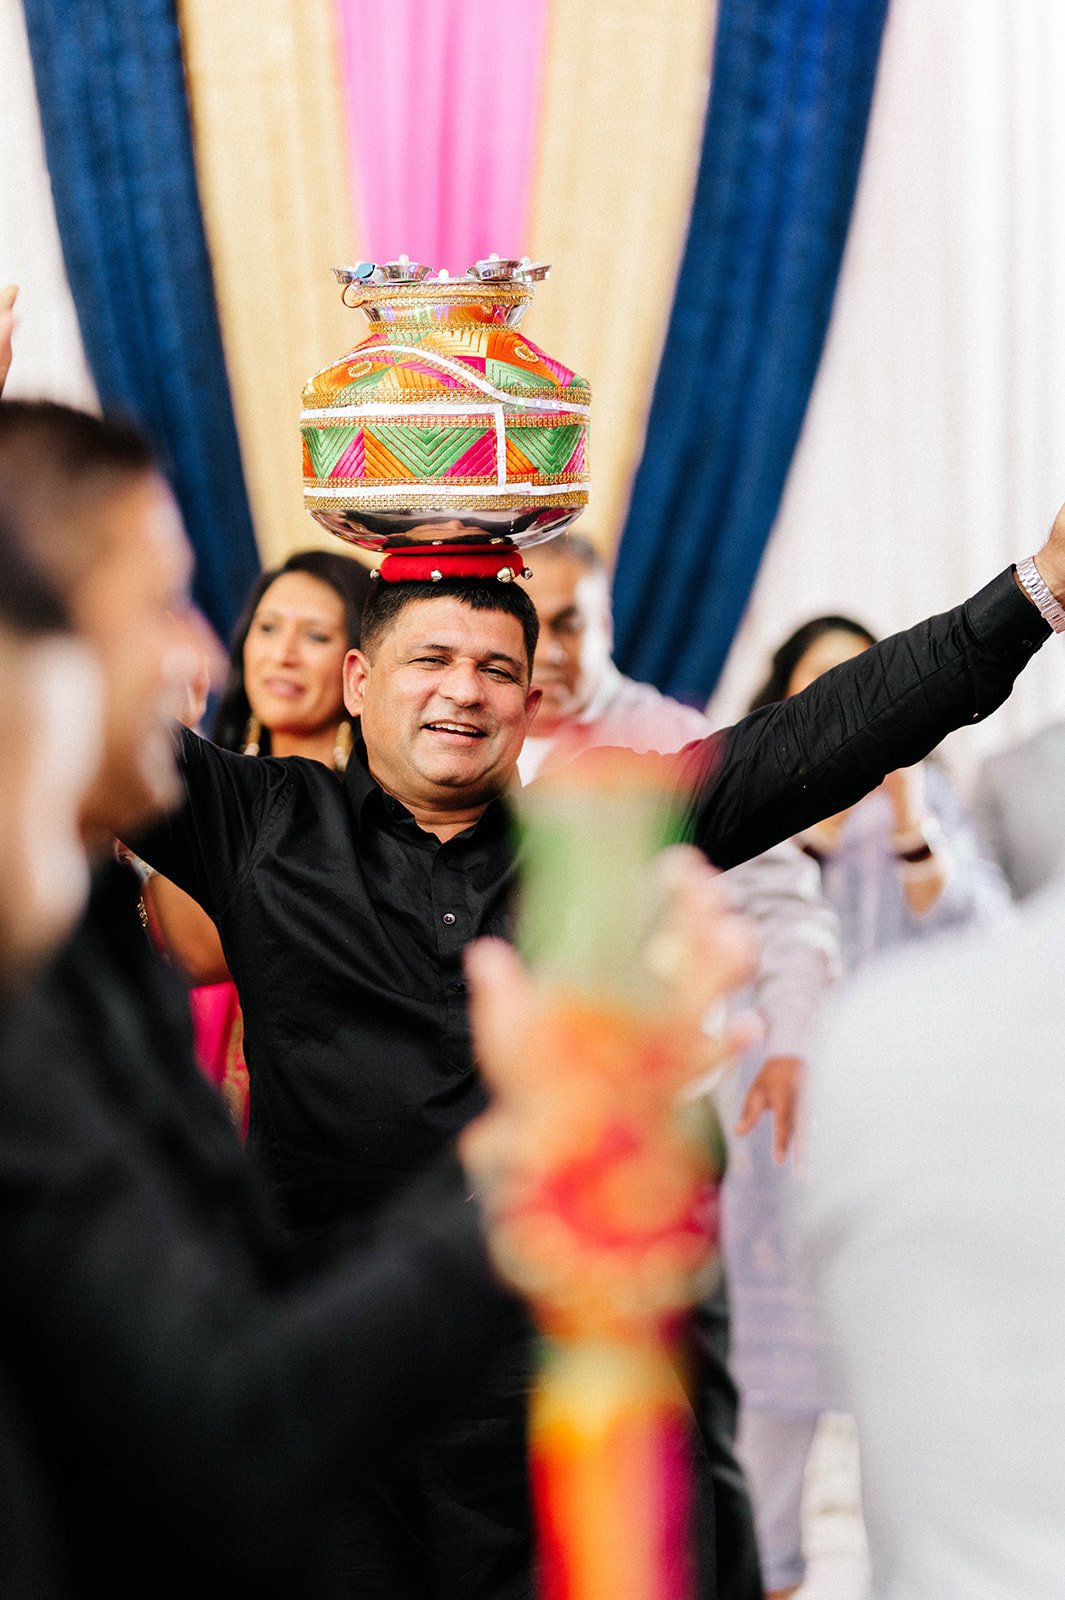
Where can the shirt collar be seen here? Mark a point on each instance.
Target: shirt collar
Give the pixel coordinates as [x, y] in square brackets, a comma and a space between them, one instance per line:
[363, 789]
[358, 779]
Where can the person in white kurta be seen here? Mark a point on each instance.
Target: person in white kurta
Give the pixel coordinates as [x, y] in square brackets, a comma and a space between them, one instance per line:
[1019, 806]
[934, 1227]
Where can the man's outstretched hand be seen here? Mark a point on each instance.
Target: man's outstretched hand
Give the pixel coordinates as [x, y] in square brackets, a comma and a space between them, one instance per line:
[8, 296]
[1051, 558]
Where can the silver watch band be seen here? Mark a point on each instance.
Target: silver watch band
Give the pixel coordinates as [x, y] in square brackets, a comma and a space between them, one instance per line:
[1050, 609]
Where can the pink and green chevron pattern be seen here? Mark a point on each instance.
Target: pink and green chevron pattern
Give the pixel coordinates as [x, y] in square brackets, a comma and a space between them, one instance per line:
[444, 405]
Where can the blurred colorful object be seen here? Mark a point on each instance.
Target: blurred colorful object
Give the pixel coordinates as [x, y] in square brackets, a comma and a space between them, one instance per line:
[444, 413]
[609, 1237]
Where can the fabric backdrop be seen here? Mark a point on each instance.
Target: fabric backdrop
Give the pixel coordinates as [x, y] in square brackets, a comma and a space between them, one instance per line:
[788, 111]
[934, 447]
[111, 88]
[442, 100]
[624, 103]
[265, 94]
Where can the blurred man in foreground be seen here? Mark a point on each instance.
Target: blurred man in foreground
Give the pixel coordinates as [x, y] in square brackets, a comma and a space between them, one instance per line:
[46, 679]
[190, 1405]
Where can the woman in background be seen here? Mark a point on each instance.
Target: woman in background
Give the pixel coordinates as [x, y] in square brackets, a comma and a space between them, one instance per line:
[283, 697]
[903, 864]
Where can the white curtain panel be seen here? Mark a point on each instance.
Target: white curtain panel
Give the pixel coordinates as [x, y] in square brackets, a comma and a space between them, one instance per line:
[933, 452]
[49, 359]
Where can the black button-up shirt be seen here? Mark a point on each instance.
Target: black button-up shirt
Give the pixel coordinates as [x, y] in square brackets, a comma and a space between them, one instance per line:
[192, 1409]
[343, 922]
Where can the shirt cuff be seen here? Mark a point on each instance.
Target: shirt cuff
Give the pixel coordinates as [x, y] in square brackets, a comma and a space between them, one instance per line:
[1005, 621]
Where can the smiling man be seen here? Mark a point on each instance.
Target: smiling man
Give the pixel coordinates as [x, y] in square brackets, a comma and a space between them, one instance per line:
[344, 905]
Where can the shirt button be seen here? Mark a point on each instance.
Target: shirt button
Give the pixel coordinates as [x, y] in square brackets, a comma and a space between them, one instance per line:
[448, 918]
[458, 987]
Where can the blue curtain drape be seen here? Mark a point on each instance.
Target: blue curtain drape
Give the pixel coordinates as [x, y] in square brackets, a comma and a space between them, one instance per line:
[111, 86]
[791, 88]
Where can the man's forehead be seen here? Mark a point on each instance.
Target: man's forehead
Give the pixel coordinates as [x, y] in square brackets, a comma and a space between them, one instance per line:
[450, 621]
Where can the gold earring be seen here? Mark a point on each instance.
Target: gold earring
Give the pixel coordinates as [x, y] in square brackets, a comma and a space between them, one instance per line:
[252, 735]
[342, 748]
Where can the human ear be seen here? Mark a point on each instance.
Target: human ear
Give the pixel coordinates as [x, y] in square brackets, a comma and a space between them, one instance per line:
[356, 675]
[532, 700]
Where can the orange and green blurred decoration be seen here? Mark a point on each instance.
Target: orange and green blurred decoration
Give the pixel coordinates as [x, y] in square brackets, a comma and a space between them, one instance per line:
[611, 1244]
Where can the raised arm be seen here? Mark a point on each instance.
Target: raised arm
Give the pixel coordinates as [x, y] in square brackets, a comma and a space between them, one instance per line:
[787, 766]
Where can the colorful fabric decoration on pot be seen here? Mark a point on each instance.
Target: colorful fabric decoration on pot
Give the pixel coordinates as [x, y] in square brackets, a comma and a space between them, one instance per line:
[444, 416]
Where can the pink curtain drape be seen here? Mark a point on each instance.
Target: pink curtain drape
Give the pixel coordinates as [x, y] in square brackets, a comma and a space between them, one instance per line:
[442, 101]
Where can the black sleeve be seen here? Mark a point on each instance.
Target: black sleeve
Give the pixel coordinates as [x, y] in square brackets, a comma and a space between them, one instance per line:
[789, 765]
[209, 843]
[184, 1388]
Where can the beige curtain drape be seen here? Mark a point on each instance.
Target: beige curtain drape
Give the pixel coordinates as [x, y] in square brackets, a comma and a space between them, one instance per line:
[267, 119]
[624, 105]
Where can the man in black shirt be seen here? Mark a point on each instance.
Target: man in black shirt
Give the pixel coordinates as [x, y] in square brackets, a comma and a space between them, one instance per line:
[344, 905]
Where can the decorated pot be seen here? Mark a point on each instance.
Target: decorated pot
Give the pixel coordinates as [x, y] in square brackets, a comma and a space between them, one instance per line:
[445, 417]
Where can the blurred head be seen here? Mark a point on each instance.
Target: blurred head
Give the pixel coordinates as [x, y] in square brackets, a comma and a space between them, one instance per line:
[287, 655]
[815, 648]
[50, 748]
[92, 512]
[442, 685]
[570, 589]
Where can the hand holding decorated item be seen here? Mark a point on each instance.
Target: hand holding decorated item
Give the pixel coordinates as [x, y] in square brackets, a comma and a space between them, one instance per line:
[601, 1201]
[586, 1168]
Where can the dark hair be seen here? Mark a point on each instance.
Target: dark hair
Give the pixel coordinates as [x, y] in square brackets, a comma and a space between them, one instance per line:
[793, 649]
[29, 607]
[55, 460]
[570, 544]
[388, 600]
[347, 578]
